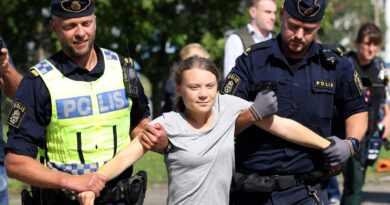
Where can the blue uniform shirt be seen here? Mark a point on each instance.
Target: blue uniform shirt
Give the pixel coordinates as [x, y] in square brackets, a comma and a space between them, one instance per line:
[305, 93]
[1, 129]
[34, 95]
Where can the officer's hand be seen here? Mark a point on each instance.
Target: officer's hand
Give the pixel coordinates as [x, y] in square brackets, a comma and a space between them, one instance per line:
[264, 105]
[86, 198]
[337, 152]
[154, 138]
[4, 60]
[87, 182]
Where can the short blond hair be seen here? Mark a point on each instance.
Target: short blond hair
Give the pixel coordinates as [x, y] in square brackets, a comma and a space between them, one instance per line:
[193, 49]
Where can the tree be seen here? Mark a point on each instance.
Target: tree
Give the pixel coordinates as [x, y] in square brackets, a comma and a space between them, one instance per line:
[153, 31]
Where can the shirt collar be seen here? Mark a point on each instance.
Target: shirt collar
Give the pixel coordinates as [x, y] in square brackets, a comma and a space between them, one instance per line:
[66, 66]
[257, 37]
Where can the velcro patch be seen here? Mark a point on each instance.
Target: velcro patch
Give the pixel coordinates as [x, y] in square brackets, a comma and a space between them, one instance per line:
[231, 83]
[358, 81]
[16, 115]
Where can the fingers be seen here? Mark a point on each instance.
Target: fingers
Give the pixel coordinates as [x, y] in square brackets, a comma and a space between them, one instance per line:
[158, 127]
[154, 138]
[3, 51]
[86, 198]
[4, 59]
[97, 182]
[153, 129]
[385, 132]
[145, 142]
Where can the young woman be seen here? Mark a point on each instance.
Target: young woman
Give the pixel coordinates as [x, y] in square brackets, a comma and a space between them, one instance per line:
[201, 131]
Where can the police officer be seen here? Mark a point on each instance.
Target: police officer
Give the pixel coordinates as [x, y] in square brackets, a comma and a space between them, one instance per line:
[72, 111]
[9, 81]
[374, 79]
[309, 79]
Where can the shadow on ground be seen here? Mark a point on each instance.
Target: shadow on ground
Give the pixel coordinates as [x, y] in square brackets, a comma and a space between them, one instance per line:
[377, 197]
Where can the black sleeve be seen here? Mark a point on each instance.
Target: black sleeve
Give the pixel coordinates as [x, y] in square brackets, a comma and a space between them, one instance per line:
[27, 129]
[140, 108]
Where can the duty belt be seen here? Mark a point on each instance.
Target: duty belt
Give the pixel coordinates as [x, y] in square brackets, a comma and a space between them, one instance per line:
[129, 191]
[255, 183]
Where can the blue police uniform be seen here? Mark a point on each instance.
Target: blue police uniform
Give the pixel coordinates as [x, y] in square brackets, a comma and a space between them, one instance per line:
[306, 94]
[270, 170]
[3, 174]
[34, 94]
[34, 109]
[354, 170]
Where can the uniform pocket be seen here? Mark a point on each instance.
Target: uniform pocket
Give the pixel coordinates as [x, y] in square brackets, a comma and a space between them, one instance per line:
[323, 97]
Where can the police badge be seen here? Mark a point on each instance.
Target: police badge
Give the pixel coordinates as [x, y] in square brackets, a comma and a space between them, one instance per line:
[231, 84]
[16, 114]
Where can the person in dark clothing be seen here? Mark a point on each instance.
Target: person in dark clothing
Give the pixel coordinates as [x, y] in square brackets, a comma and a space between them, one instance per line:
[9, 82]
[375, 80]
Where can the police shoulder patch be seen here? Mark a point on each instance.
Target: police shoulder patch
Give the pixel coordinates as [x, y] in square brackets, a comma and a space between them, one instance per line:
[358, 81]
[16, 114]
[257, 46]
[231, 83]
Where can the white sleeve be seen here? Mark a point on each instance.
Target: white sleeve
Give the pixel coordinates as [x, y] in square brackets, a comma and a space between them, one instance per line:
[386, 74]
[233, 49]
[235, 103]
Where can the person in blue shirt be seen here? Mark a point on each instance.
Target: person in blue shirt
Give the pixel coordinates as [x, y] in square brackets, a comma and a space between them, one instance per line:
[308, 80]
[375, 80]
[9, 81]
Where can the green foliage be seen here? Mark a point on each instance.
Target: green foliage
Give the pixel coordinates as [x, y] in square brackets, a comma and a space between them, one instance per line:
[153, 31]
[153, 164]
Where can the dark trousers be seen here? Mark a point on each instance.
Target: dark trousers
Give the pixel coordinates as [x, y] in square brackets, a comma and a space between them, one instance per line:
[354, 175]
[333, 188]
[296, 195]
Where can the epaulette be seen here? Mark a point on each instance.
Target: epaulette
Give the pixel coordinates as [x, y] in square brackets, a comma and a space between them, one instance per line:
[257, 46]
[330, 54]
[34, 72]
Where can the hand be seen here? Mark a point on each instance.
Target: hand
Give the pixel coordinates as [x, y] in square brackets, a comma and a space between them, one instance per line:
[154, 138]
[264, 105]
[385, 123]
[337, 152]
[333, 171]
[86, 198]
[4, 60]
[87, 182]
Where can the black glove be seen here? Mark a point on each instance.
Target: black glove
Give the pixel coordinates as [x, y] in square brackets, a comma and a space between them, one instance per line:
[264, 105]
[337, 152]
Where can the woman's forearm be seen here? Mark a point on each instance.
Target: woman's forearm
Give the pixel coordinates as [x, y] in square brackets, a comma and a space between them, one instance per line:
[293, 131]
[244, 120]
[123, 159]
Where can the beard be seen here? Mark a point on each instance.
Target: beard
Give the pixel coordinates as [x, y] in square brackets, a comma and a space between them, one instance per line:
[72, 52]
[293, 48]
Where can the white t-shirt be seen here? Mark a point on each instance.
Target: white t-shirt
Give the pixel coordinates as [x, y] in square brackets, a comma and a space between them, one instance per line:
[234, 48]
[201, 163]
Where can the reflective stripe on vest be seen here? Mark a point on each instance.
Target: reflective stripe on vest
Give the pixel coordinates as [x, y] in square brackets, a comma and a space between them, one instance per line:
[90, 120]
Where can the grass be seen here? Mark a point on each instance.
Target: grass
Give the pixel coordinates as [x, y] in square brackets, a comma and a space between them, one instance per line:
[153, 164]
